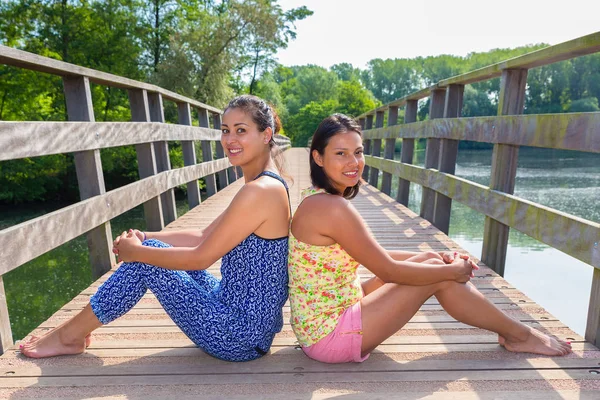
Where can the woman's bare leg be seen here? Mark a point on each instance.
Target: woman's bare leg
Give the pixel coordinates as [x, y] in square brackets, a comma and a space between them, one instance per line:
[72, 337]
[387, 309]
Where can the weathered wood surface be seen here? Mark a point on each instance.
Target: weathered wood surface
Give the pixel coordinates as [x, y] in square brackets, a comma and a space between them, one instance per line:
[511, 101]
[563, 51]
[34, 62]
[67, 223]
[143, 355]
[572, 131]
[90, 177]
[32, 139]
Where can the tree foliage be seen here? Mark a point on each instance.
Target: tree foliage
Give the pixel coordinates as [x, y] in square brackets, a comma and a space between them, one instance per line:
[213, 49]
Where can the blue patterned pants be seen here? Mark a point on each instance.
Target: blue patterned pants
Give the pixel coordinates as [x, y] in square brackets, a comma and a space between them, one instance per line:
[189, 297]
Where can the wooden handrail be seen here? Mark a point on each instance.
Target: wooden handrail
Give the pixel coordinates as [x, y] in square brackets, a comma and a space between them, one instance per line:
[570, 234]
[584, 45]
[572, 131]
[507, 131]
[34, 62]
[148, 133]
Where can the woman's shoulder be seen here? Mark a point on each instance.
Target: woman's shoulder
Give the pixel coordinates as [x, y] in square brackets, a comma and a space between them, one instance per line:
[263, 189]
[320, 202]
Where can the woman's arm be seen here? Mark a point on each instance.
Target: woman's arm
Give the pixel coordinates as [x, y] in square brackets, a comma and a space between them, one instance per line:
[401, 255]
[184, 238]
[342, 223]
[233, 226]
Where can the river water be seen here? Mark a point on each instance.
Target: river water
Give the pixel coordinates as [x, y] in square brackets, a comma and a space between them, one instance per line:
[565, 180]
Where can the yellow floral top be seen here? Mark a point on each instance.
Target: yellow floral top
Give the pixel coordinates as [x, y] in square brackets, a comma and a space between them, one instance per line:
[323, 284]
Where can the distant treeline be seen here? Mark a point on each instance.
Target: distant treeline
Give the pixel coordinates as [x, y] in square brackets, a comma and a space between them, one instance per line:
[212, 50]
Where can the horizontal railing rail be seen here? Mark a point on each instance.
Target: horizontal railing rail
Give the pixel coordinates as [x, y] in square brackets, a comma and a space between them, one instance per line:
[508, 131]
[584, 45]
[572, 131]
[34, 62]
[84, 137]
[570, 234]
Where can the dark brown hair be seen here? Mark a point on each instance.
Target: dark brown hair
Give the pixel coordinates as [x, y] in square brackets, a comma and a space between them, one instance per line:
[264, 116]
[329, 127]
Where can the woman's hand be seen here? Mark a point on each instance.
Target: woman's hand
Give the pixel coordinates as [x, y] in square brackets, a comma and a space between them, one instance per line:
[125, 245]
[464, 268]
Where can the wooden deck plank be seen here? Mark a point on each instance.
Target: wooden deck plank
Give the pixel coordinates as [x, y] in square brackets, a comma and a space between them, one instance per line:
[144, 355]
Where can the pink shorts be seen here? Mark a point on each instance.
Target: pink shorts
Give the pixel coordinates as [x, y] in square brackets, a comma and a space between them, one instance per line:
[344, 343]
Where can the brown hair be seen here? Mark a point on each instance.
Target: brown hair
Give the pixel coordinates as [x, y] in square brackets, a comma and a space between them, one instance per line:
[264, 116]
[329, 127]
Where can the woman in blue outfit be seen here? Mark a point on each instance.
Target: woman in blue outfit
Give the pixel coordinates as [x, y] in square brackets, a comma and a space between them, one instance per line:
[233, 319]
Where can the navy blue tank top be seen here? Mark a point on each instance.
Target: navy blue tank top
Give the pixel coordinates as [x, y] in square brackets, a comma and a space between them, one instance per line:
[255, 280]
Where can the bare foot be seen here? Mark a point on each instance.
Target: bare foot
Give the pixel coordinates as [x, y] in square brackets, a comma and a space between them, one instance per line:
[88, 340]
[538, 343]
[52, 344]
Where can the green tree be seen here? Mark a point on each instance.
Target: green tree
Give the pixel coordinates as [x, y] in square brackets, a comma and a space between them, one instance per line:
[354, 99]
[588, 104]
[303, 124]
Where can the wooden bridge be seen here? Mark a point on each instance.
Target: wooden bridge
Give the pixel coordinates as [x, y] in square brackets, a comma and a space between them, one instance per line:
[144, 355]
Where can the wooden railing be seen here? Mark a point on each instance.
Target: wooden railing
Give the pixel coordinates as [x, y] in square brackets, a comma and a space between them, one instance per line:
[575, 236]
[148, 132]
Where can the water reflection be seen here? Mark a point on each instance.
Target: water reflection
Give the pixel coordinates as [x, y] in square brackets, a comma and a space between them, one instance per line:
[565, 180]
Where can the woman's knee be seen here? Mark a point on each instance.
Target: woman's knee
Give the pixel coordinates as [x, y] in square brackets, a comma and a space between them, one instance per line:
[432, 256]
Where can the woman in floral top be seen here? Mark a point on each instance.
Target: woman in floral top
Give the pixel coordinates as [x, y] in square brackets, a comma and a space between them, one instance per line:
[334, 316]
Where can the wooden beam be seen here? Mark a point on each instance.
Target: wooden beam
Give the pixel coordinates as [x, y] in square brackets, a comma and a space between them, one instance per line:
[432, 152]
[592, 329]
[367, 145]
[34, 62]
[163, 161]
[85, 215]
[6, 338]
[184, 117]
[376, 150]
[570, 131]
[570, 234]
[207, 154]
[390, 146]
[90, 177]
[407, 152]
[223, 179]
[581, 46]
[504, 169]
[140, 112]
[448, 154]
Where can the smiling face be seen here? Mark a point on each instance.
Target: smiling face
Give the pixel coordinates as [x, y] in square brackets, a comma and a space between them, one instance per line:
[342, 160]
[241, 138]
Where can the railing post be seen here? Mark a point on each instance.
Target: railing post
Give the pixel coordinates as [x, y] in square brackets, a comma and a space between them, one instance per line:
[432, 152]
[184, 117]
[140, 112]
[407, 152]
[361, 123]
[6, 339]
[232, 173]
[223, 181]
[367, 147]
[90, 177]
[376, 150]
[448, 154]
[504, 168]
[163, 162]
[207, 154]
[592, 329]
[388, 151]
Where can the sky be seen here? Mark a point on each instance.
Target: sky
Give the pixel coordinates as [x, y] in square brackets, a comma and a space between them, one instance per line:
[356, 31]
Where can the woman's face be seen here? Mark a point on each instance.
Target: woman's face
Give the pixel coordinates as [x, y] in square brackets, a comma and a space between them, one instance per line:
[342, 160]
[240, 137]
